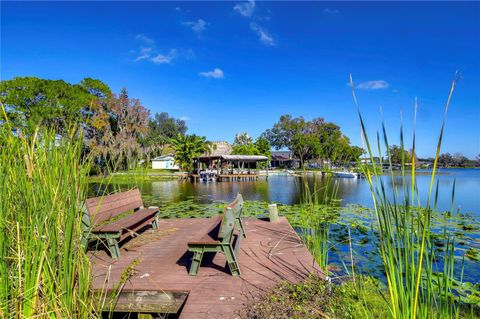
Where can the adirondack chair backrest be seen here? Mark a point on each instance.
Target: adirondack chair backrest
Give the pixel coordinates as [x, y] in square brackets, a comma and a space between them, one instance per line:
[105, 207]
[237, 205]
[225, 231]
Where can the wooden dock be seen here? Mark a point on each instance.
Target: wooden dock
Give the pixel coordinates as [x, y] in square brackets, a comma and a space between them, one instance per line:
[158, 260]
[222, 177]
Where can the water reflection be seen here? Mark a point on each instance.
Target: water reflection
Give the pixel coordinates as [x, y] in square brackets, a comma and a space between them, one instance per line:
[288, 189]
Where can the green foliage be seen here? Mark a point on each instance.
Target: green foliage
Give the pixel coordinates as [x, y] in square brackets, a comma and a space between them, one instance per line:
[170, 127]
[456, 160]
[242, 139]
[187, 147]
[138, 175]
[315, 217]
[315, 139]
[316, 298]
[44, 271]
[113, 131]
[263, 146]
[162, 129]
[31, 102]
[116, 128]
[397, 155]
[405, 239]
[245, 149]
[96, 88]
[244, 145]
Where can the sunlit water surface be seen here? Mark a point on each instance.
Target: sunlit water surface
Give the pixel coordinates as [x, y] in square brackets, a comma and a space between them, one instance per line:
[284, 189]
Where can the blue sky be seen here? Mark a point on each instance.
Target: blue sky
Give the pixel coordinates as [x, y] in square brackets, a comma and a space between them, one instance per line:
[230, 67]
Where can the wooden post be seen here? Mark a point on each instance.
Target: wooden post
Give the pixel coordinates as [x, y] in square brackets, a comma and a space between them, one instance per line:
[267, 167]
[272, 209]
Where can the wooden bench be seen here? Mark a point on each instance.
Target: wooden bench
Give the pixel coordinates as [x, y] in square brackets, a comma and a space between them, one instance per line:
[218, 239]
[237, 206]
[102, 220]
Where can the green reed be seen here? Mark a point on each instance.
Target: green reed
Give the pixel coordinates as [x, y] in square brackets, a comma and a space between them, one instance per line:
[417, 288]
[317, 206]
[44, 272]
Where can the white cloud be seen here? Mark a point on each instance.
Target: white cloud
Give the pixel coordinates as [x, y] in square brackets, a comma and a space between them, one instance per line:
[144, 54]
[331, 11]
[373, 85]
[197, 26]
[245, 9]
[161, 58]
[214, 74]
[148, 51]
[185, 118]
[263, 34]
[143, 38]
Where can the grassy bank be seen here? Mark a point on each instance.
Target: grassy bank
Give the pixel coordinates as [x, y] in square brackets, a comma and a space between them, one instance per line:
[44, 272]
[137, 175]
[316, 298]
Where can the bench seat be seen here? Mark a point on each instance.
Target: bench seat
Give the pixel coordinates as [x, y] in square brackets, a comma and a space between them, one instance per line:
[100, 219]
[211, 237]
[205, 241]
[128, 222]
[218, 239]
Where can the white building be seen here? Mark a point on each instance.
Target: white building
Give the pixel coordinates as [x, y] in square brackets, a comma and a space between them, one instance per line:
[164, 162]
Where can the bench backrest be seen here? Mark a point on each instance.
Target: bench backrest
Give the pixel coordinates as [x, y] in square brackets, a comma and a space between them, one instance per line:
[105, 207]
[237, 205]
[225, 232]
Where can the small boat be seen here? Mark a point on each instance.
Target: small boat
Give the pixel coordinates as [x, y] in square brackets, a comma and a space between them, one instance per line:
[208, 176]
[346, 174]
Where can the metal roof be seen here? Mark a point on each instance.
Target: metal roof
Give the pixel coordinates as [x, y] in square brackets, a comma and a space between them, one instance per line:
[252, 158]
[242, 158]
[163, 157]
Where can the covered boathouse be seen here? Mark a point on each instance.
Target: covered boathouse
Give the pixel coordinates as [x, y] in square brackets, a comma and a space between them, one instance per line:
[227, 167]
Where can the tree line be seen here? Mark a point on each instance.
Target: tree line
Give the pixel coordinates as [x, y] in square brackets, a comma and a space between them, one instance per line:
[397, 155]
[314, 140]
[457, 160]
[119, 130]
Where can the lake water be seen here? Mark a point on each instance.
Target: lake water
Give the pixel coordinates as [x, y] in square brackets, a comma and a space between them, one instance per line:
[288, 189]
[284, 189]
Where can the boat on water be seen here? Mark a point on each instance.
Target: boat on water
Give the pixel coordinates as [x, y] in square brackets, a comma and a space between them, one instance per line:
[347, 174]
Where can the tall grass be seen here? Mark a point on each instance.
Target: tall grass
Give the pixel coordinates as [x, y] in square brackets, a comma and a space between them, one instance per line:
[418, 287]
[44, 272]
[318, 207]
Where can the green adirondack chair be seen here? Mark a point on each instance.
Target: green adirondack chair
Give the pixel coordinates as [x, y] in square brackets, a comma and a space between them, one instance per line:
[219, 239]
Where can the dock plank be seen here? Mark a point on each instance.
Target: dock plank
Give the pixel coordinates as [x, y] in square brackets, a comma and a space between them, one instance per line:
[272, 252]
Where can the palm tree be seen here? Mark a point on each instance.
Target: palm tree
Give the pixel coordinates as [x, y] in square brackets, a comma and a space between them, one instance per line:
[210, 147]
[187, 147]
[242, 139]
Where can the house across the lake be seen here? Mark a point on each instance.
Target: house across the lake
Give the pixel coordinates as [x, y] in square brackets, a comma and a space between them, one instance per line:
[283, 159]
[227, 167]
[164, 162]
